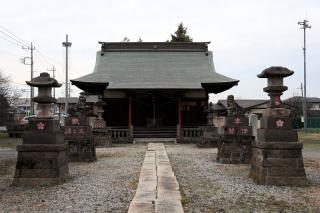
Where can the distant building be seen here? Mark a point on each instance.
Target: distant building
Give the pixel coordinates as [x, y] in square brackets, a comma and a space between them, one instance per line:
[313, 109]
[22, 105]
[72, 101]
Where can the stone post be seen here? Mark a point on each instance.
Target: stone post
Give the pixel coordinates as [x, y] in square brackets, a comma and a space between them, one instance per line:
[209, 133]
[277, 157]
[101, 134]
[42, 158]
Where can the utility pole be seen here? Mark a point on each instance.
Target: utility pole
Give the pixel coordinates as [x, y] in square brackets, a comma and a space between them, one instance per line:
[53, 70]
[304, 25]
[31, 48]
[70, 90]
[66, 44]
[301, 88]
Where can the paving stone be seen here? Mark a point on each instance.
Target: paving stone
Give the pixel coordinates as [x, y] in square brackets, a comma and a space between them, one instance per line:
[144, 196]
[168, 195]
[168, 186]
[157, 184]
[140, 206]
[165, 206]
[147, 186]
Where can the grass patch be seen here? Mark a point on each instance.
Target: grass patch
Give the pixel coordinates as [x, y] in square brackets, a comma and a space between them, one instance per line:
[7, 142]
[110, 154]
[310, 140]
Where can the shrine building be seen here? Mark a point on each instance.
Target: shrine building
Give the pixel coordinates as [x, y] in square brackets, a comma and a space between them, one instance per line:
[154, 85]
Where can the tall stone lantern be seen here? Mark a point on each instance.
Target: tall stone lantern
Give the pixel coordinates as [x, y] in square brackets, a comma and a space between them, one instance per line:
[276, 154]
[42, 158]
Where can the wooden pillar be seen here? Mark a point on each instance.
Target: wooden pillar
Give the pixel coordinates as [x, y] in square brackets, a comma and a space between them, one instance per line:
[130, 113]
[179, 112]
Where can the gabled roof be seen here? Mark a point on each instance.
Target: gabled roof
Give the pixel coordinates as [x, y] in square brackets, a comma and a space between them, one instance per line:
[74, 100]
[300, 98]
[21, 102]
[71, 100]
[155, 65]
[245, 103]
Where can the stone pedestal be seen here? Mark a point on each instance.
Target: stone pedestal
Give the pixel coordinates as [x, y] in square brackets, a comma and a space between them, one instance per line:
[101, 134]
[209, 138]
[42, 158]
[78, 135]
[277, 157]
[236, 140]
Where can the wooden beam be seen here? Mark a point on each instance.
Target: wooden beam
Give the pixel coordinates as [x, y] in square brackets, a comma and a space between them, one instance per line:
[179, 112]
[130, 113]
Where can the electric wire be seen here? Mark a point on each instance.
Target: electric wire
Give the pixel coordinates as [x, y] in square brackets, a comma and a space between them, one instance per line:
[23, 41]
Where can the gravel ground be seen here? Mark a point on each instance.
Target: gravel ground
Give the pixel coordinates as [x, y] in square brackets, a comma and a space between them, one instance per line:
[107, 185]
[207, 186]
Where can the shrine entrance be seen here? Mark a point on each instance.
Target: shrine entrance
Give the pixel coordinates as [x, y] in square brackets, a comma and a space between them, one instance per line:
[154, 111]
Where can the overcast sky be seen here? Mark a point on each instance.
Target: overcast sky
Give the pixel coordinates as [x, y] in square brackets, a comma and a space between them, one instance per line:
[246, 36]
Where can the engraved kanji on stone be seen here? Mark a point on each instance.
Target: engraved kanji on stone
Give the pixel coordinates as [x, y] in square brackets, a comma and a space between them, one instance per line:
[244, 131]
[75, 121]
[67, 131]
[279, 123]
[237, 121]
[231, 131]
[40, 126]
[81, 131]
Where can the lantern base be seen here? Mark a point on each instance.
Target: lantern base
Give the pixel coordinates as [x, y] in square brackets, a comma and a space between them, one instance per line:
[41, 164]
[278, 163]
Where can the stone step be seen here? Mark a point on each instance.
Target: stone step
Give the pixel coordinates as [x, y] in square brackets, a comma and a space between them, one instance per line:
[155, 140]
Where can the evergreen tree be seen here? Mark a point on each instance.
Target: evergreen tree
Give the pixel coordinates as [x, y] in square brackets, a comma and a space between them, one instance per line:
[126, 39]
[181, 34]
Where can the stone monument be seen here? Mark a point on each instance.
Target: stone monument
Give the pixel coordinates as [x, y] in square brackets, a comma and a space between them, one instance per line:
[277, 157]
[210, 136]
[236, 136]
[78, 133]
[102, 135]
[42, 158]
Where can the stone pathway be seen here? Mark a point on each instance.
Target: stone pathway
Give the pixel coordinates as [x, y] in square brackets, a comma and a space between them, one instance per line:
[158, 189]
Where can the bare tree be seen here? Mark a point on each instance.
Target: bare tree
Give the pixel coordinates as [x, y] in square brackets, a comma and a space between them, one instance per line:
[7, 95]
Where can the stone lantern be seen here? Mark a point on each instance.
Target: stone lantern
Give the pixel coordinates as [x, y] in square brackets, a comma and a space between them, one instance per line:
[42, 158]
[101, 134]
[276, 154]
[210, 114]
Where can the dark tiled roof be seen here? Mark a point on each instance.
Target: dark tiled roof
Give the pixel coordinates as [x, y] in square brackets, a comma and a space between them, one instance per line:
[300, 98]
[244, 103]
[74, 100]
[129, 68]
[71, 100]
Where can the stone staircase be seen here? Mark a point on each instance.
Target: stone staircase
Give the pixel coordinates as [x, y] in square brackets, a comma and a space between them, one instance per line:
[155, 132]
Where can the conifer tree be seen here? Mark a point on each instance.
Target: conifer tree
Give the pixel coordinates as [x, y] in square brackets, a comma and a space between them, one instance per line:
[181, 34]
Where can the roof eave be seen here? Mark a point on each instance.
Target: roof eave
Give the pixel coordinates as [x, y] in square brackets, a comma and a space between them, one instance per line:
[219, 87]
[91, 87]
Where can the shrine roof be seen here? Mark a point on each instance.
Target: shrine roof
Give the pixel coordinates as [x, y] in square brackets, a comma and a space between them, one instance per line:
[155, 65]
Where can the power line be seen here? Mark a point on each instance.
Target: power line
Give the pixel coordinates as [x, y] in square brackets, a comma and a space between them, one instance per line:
[45, 57]
[22, 44]
[10, 41]
[23, 41]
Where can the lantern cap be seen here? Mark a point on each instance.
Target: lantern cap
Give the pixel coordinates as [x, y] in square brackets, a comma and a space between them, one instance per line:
[44, 80]
[275, 71]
